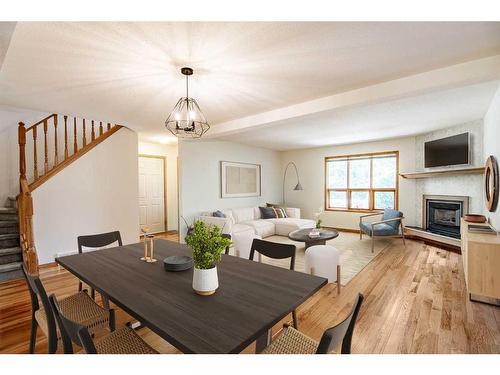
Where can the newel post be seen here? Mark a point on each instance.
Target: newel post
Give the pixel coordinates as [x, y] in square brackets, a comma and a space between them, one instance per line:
[22, 150]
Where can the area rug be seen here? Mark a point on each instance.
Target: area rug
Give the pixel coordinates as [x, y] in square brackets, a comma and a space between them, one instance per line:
[355, 254]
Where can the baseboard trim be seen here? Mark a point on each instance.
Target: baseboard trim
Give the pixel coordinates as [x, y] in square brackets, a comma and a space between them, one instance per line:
[444, 246]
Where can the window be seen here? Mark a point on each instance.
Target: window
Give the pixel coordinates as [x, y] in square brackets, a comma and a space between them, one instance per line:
[362, 182]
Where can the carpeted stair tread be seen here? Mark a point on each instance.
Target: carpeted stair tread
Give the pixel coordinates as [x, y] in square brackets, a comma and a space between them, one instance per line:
[8, 210]
[9, 236]
[10, 250]
[8, 223]
[11, 275]
[10, 266]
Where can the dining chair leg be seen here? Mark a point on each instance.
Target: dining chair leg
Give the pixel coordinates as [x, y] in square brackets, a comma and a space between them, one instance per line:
[295, 321]
[34, 327]
[338, 279]
[92, 293]
[112, 320]
[263, 341]
[105, 301]
[52, 344]
[80, 286]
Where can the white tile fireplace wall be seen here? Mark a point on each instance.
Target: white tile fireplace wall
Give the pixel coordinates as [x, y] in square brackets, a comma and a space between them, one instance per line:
[466, 185]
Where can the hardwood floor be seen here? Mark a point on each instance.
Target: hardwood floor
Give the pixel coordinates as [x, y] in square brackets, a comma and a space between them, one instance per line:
[415, 302]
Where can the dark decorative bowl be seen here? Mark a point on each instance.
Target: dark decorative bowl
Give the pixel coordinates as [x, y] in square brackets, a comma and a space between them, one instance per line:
[176, 263]
[474, 218]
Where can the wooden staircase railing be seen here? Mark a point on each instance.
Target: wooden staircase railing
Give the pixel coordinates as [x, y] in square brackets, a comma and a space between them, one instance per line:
[53, 162]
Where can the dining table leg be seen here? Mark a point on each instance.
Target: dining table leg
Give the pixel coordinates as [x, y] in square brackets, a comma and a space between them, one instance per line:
[263, 341]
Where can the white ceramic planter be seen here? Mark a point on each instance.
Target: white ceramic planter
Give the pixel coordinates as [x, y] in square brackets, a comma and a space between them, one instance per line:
[205, 282]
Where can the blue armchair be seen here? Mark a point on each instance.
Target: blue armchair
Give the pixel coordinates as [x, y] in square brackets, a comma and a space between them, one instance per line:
[389, 226]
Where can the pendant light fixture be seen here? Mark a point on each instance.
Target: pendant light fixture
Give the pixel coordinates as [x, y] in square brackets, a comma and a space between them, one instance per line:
[186, 119]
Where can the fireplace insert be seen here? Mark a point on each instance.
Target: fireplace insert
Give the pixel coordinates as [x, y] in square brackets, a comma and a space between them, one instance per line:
[443, 217]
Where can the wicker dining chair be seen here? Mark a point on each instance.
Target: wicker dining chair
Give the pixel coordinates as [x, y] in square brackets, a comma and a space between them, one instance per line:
[291, 341]
[121, 341]
[97, 241]
[276, 250]
[79, 306]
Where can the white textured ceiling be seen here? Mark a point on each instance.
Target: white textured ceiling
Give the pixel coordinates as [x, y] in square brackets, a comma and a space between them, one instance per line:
[403, 117]
[129, 72]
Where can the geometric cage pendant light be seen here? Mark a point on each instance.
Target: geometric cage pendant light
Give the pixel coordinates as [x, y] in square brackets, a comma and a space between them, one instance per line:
[186, 119]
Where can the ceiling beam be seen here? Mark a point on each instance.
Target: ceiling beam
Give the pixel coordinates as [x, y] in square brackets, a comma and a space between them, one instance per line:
[468, 73]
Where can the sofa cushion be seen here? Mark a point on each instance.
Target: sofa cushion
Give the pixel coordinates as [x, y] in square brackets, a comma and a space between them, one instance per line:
[289, 224]
[263, 228]
[229, 215]
[242, 228]
[244, 214]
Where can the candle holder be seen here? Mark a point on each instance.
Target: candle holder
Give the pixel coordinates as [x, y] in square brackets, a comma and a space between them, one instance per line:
[144, 231]
[149, 244]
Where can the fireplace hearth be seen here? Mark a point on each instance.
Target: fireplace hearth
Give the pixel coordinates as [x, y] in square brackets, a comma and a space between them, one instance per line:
[442, 214]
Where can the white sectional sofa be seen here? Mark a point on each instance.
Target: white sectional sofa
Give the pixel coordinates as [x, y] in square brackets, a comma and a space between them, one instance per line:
[246, 223]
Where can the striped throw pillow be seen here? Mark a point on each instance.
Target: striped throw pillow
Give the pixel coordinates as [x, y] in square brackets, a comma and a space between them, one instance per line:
[280, 212]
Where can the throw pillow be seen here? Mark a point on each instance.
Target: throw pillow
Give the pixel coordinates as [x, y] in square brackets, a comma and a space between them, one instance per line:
[268, 213]
[272, 205]
[218, 214]
[280, 212]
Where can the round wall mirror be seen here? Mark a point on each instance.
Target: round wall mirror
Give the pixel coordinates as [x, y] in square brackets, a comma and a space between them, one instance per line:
[491, 183]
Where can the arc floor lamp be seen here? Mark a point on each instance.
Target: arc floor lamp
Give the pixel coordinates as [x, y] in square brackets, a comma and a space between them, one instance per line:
[298, 186]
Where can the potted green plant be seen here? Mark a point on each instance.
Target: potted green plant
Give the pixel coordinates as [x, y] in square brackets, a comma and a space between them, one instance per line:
[207, 244]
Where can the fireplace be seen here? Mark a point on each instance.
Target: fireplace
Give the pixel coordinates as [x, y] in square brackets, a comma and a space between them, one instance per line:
[442, 214]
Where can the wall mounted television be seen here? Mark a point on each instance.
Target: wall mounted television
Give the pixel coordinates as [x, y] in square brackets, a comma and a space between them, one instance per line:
[454, 150]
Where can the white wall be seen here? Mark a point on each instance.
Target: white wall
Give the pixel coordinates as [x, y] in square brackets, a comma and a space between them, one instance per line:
[466, 185]
[97, 193]
[170, 152]
[492, 144]
[311, 166]
[199, 176]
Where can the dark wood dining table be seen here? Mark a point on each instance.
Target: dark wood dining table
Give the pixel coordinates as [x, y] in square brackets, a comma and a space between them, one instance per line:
[252, 297]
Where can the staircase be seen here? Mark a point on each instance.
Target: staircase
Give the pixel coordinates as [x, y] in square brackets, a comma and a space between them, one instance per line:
[10, 250]
[47, 147]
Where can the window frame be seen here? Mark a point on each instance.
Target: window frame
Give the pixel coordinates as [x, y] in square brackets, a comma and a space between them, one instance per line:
[371, 190]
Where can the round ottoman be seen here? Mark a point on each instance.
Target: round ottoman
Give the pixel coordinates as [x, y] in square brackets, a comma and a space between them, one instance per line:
[323, 260]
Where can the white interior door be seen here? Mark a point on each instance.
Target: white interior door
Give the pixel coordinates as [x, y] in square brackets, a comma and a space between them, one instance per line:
[152, 193]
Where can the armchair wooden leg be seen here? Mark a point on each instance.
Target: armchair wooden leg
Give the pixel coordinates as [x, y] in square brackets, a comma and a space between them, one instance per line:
[360, 234]
[338, 279]
[373, 243]
[403, 235]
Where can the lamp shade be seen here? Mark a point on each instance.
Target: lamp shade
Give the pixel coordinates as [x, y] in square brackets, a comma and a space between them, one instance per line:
[187, 120]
